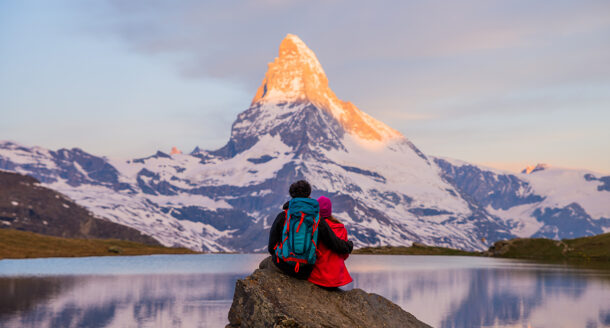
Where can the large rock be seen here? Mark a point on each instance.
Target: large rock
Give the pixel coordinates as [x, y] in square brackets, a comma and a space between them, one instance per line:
[268, 298]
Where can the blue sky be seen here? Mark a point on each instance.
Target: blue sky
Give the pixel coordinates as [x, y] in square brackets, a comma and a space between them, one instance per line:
[503, 83]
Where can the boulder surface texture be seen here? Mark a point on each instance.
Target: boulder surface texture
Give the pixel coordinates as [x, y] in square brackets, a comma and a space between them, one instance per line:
[268, 298]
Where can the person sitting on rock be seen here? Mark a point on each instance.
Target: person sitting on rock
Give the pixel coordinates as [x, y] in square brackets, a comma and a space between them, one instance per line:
[325, 235]
[330, 270]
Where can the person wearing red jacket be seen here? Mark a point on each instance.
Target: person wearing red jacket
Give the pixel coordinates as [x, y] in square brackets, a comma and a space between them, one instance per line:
[329, 269]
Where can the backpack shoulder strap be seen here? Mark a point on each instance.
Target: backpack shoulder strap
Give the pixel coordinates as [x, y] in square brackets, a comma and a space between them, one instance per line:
[287, 221]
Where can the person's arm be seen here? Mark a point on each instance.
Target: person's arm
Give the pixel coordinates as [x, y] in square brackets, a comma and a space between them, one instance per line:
[334, 243]
[275, 233]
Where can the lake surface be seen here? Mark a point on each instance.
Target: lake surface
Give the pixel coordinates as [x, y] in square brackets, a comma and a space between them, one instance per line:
[197, 290]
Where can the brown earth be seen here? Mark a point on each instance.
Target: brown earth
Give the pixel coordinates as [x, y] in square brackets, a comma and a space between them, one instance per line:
[28, 206]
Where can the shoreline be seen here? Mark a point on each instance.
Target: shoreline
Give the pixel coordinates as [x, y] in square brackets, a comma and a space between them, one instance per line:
[16, 244]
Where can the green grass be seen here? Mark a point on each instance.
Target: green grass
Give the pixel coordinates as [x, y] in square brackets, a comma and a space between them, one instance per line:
[585, 249]
[591, 248]
[534, 248]
[16, 244]
[594, 248]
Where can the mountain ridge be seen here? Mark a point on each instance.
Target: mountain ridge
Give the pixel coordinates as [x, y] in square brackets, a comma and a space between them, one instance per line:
[25, 205]
[224, 212]
[383, 187]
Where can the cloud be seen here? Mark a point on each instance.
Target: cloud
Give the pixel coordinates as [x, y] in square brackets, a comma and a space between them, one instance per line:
[228, 38]
[433, 69]
[383, 54]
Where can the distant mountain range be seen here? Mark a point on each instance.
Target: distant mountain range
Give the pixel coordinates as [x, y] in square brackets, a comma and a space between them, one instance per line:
[383, 187]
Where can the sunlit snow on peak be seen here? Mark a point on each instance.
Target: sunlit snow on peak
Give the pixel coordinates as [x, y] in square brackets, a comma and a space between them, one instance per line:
[296, 76]
[534, 168]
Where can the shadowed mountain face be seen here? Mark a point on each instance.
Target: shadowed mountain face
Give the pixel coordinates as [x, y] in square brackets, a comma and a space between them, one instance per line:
[26, 205]
[384, 189]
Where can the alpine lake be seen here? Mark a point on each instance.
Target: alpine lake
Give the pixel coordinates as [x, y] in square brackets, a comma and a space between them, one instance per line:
[197, 290]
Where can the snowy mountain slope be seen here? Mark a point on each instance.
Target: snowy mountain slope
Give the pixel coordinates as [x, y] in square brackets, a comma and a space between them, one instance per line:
[551, 202]
[94, 183]
[382, 186]
[585, 191]
[27, 206]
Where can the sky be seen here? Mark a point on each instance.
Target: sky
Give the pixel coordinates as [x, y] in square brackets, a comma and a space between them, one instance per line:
[499, 83]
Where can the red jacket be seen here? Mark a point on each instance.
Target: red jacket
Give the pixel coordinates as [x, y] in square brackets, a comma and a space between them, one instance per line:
[330, 270]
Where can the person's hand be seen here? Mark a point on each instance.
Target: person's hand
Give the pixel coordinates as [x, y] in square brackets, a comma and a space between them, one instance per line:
[351, 246]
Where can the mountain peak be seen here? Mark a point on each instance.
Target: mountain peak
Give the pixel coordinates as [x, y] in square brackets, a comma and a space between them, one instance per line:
[293, 45]
[296, 76]
[538, 167]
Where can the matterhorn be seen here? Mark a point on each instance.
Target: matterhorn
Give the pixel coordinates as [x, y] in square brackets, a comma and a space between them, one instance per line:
[385, 190]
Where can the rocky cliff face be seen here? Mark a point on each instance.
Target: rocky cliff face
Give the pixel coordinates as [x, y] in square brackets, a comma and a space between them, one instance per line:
[268, 298]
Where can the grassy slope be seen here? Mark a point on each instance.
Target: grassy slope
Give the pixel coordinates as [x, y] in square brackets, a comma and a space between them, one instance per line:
[533, 248]
[20, 244]
[28, 206]
[595, 248]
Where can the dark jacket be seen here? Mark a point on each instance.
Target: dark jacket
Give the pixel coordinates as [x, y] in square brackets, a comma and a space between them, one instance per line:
[325, 236]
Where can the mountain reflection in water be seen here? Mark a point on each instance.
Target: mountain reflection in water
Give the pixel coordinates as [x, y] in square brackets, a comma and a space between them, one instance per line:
[118, 301]
[442, 291]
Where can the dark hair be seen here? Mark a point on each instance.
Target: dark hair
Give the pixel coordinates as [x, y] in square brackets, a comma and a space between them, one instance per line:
[300, 188]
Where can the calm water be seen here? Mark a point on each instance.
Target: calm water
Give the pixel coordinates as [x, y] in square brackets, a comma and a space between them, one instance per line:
[196, 291]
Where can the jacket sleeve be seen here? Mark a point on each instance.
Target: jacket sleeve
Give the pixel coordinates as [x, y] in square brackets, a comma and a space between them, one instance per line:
[275, 233]
[334, 243]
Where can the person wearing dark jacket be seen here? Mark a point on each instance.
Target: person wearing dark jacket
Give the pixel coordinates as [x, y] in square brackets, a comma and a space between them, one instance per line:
[325, 235]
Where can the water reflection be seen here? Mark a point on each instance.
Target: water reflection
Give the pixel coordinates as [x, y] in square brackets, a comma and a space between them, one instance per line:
[21, 294]
[526, 295]
[444, 292]
[118, 301]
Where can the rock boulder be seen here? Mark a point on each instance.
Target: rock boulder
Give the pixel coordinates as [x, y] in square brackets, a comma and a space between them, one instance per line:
[268, 298]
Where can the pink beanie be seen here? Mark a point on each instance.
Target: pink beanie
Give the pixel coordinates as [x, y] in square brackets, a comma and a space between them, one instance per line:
[326, 207]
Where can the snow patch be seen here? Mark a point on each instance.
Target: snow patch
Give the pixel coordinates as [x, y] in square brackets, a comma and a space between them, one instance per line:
[522, 215]
[565, 186]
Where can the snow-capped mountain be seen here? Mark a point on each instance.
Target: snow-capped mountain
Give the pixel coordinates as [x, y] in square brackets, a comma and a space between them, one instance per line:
[547, 202]
[383, 187]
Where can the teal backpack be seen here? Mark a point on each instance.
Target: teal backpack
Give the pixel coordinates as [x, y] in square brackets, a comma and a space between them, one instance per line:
[300, 233]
